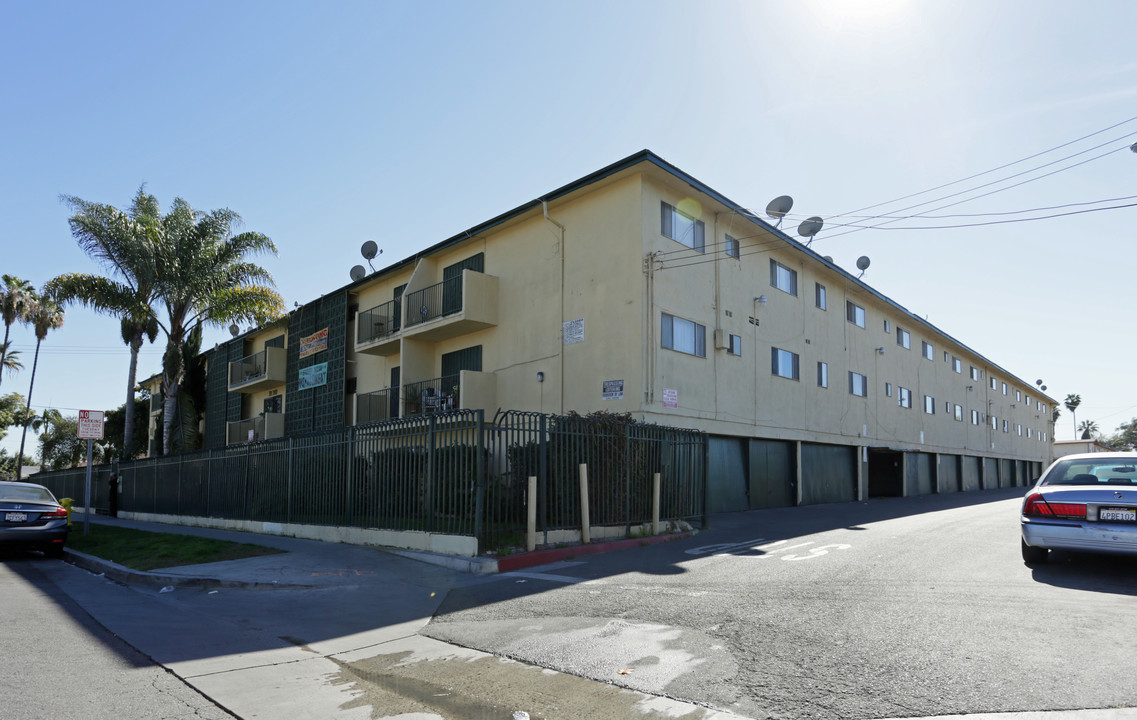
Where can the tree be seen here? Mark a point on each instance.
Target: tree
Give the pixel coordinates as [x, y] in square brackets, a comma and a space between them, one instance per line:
[115, 434]
[1126, 436]
[203, 279]
[1089, 429]
[11, 361]
[11, 412]
[60, 446]
[124, 244]
[1072, 402]
[15, 297]
[45, 316]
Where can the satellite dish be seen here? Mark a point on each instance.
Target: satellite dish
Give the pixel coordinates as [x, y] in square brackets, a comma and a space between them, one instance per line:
[358, 273]
[1038, 382]
[863, 263]
[234, 330]
[809, 228]
[778, 207]
[828, 259]
[1133, 147]
[369, 250]
[1043, 388]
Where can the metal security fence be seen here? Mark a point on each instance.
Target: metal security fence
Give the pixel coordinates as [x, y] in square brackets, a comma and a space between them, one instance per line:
[450, 472]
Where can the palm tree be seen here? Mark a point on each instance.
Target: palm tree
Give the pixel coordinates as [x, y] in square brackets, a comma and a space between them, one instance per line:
[1072, 402]
[1089, 428]
[124, 244]
[15, 296]
[11, 361]
[203, 279]
[45, 316]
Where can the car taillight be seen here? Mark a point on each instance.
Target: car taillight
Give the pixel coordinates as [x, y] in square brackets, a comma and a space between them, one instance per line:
[1037, 506]
[56, 514]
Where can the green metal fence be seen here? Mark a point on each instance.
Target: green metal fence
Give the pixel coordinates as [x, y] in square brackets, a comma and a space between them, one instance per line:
[449, 472]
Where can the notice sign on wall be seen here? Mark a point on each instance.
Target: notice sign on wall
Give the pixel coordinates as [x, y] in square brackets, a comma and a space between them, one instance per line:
[314, 343]
[613, 389]
[573, 331]
[314, 376]
[670, 398]
[90, 424]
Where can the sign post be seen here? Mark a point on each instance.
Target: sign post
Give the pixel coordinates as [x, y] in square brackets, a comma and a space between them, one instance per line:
[90, 429]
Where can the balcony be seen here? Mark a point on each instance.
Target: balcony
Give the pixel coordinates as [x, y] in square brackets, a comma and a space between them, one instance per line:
[431, 396]
[259, 371]
[376, 406]
[265, 426]
[377, 329]
[453, 307]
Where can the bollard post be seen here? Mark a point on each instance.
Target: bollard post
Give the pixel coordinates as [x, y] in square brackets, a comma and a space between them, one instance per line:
[655, 504]
[531, 501]
[585, 532]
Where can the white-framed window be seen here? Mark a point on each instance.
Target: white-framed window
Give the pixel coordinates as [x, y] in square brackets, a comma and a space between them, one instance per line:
[1028, 431]
[854, 313]
[682, 228]
[887, 325]
[784, 363]
[1018, 395]
[819, 296]
[858, 384]
[994, 423]
[946, 356]
[888, 389]
[927, 350]
[904, 397]
[1004, 388]
[929, 405]
[958, 413]
[822, 374]
[731, 248]
[903, 338]
[735, 345]
[1006, 426]
[956, 364]
[1019, 429]
[1028, 401]
[974, 373]
[994, 384]
[974, 417]
[684, 336]
[782, 277]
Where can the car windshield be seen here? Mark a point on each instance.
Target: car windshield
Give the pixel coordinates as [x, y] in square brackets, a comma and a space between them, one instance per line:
[27, 494]
[1088, 471]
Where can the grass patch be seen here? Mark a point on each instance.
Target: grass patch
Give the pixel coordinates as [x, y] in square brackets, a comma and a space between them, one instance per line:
[142, 550]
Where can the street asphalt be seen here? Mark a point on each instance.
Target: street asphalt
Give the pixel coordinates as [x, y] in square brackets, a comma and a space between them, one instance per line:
[323, 653]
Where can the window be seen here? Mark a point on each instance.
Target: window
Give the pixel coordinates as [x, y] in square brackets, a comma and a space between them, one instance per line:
[888, 389]
[735, 345]
[858, 384]
[927, 349]
[783, 278]
[822, 374]
[887, 325]
[1028, 431]
[945, 356]
[855, 313]
[929, 405]
[958, 413]
[903, 338]
[1018, 393]
[1028, 401]
[784, 363]
[1019, 429]
[682, 228]
[905, 398]
[731, 247]
[1004, 388]
[819, 295]
[974, 417]
[956, 365]
[1006, 426]
[994, 423]
[974, 373]
[947, 408]
[994, 383]
[684, 336]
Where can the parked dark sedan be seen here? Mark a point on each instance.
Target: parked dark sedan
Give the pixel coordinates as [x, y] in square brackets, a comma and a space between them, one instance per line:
[1082, 502]
[30, 517]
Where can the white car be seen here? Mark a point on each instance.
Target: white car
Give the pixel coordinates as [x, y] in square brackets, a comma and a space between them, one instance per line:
[1086, 503]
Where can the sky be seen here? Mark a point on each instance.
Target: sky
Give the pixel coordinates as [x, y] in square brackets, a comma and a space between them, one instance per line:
[325, 125]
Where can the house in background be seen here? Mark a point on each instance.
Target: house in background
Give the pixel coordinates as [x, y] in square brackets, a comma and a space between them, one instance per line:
[640, 289]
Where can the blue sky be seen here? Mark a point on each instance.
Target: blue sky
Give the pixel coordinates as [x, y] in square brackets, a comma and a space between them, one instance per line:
[328, 124]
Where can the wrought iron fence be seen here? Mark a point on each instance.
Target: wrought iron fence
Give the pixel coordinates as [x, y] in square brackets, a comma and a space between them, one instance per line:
[449, 472]
[444, 298]
[431, 396]
[376, 406]
[378, 322]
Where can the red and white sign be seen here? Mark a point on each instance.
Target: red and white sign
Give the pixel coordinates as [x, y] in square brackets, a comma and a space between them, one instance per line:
[90, 424]
[670, 398]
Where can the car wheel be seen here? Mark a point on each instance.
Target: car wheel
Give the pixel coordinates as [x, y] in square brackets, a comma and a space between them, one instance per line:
[1034, 555]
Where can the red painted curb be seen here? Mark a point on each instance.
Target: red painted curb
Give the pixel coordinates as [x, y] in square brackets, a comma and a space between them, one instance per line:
[541, 557]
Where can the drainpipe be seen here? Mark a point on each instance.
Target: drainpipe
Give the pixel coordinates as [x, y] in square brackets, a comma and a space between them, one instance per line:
[561, 354]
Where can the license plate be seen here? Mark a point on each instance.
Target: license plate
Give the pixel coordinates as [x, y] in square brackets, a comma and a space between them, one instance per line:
[1118, 514]
[15, 517]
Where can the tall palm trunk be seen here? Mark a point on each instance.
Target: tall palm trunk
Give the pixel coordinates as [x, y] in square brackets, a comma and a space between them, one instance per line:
[169, 410]
[128, 430]
[27, 414]
[4, 351]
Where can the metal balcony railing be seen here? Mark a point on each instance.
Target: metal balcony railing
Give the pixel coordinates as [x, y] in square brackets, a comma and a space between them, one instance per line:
[378, 322]
[431, 396]
[435, 301]
[376, 406]
[252, 367]
[265, 426]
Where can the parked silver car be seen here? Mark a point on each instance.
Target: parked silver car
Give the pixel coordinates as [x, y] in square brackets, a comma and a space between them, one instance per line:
[30, 517]
[1082, 502]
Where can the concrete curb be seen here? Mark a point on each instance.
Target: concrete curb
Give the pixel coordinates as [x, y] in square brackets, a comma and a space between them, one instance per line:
[131, 576]
[542, 557]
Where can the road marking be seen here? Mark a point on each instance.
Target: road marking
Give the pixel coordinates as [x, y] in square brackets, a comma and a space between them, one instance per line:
[756, 549]
[544, 576]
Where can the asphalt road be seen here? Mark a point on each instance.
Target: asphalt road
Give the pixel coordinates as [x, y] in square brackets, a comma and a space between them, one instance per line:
[892, 608]
[59, 663]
